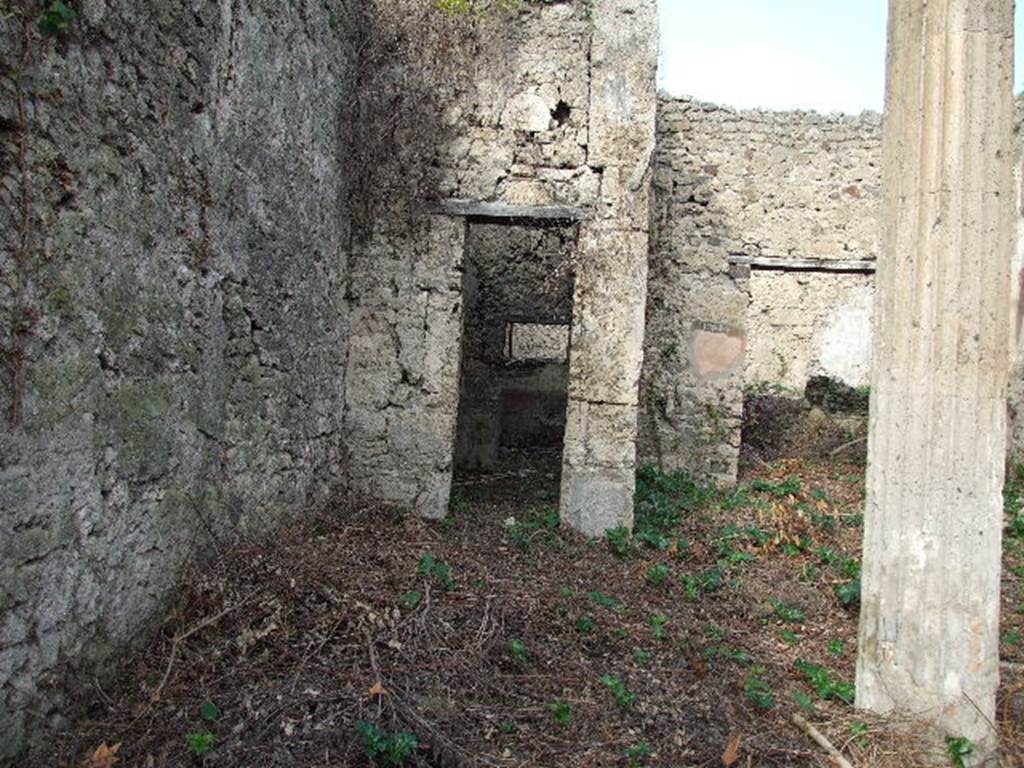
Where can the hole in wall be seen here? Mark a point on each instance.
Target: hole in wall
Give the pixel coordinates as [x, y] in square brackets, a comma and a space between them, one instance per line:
[561, 113]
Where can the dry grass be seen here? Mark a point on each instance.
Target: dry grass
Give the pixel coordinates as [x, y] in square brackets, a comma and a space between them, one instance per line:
[298, 639]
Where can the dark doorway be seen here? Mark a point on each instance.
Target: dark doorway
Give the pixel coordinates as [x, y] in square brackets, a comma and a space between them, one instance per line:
[517, 289]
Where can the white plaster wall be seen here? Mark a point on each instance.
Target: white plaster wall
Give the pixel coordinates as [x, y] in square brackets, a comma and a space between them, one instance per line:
[804, 324]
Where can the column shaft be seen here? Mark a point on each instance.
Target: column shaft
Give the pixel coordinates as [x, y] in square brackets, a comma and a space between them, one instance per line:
[929, 626]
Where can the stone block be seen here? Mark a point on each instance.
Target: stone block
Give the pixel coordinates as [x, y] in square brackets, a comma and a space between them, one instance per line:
[608, 316]
[624, 53]
[600, 435]
[596, 500]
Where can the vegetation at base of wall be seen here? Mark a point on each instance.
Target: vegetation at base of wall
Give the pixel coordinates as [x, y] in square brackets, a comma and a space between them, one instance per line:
[1013, 500]
[461, 7]
[387, 749]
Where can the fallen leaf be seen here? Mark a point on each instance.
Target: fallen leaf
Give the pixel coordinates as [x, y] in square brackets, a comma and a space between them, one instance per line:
[699, 668]
[731, 755]
[376, 689]
[103, 757]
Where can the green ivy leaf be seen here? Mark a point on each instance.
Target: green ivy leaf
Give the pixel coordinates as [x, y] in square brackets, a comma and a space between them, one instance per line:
[56, 19]
[200, 742]
[210, 712]
[849, 593]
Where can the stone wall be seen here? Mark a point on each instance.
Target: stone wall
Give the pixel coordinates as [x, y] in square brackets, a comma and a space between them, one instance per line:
[794, 187]
[696, 310]
[802, 324]
[556, 110]
[174, 331]
[754, 210]
[506, 122]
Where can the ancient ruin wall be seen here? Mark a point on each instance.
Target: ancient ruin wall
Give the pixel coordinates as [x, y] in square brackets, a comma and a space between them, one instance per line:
[555, 110]
[478, 123]
[176, 290]
[734, 187]
[691, 392]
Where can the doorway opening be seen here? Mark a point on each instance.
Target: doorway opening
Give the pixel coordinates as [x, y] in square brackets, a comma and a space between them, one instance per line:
[513, 392]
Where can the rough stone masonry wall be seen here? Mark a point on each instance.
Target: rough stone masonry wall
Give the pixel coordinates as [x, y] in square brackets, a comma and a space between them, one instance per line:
[555, 109]
[178, 296]
[804, 186]
[751, 184]
[691, 393]
[794, 185]
[476, 123]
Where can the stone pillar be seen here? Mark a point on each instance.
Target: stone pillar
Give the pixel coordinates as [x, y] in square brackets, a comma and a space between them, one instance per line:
[929, 626]
[606, 353]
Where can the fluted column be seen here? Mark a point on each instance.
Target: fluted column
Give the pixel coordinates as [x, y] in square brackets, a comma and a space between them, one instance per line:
[929, 626]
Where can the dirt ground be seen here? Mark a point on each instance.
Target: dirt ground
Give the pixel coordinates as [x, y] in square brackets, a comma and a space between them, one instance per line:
[359, 636]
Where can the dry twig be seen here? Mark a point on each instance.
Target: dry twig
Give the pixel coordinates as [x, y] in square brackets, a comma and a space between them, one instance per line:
[819, 738]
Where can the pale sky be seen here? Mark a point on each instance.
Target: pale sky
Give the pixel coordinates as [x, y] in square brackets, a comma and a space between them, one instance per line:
[827, 55]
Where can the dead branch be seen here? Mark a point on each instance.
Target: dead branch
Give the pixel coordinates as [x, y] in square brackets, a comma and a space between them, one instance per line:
[819, 738]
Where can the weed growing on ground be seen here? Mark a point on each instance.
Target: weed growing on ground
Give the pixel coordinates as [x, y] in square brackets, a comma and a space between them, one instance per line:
[660, 501]
[825, 686]
[561, 712]
[411, 599]
[758, 690]
[619, 542]
[790, 487]
[623, 696]
[658, 622]
[431, 567]
[680, 549]
[737, 655]
[517, 650]
[819, 495]
[637, 753]
[200, 742]
[606, 601]
[585, 624]
[725, 547]
[642, 657]
[958, 750]
[387, 749]
[691, 587]
[657, 574]
[859, 732]
[711, 579]
[848, 593]
[788, 613]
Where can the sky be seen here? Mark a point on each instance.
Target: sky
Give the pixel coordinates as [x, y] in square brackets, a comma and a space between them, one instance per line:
[827, 55]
